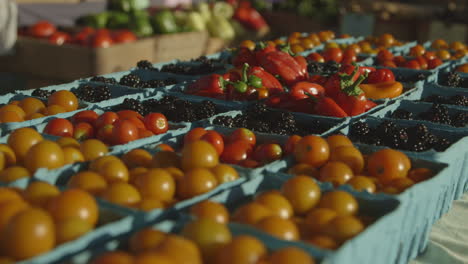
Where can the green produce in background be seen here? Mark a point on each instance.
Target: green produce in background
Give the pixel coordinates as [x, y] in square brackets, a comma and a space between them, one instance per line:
[204, 9]
[238, 28]
[118, 20]
[222, 9]
[164, 22]
[140, 24]
[127, 5]
[195, 21]
[95, 21]
[220, 27]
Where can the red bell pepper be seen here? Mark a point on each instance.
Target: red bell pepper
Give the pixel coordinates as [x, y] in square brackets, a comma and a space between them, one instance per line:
[302, 62]
[209, 84]
[352, 99]
[301, 90]
[370, 104]
[284, 65]
[268, 80]
[262, 49]
[380, 76]
[328, 107]
[249, 17]
[319, 79]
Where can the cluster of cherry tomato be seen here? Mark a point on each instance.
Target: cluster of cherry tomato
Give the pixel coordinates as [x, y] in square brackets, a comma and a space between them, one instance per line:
[146, 182]
[239, 147]
[26, 151]
[298, 211]
[204, 240]
[112, 128]
[420, 59]
[32, 108]
[100, 38]
[35, 220]
[338, 161]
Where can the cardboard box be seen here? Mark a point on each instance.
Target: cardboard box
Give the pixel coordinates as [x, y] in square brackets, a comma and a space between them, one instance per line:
[71, 62]
[183, 46]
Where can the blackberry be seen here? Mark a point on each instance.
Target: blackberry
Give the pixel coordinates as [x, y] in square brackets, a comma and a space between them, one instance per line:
[103, 79]
[258, 109]
[458, 100]
[262, 127]
[438, 113]
[130, 80]
[101, 93]
[152, 84]
[372, 139]
[418, 130]
[92, 94]
[42, 93]
[241, 120]
[418, 146]
[385, 128]
[205, 109]
[226, 121]
[398, 138]
[314, 67]
[144, 64]
[132, 104]
[460, 119]
[168, 99]
[360, 130]
[454, 79]
[402, 114]
[442, 144]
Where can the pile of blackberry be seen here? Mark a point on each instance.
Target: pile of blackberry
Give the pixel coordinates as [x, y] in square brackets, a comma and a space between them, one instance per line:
[103, 80]
[205, 67]
[42, 93]
[92, 94]
[455, 80]
[145, 65]
[204, 59]
[174, 108]
[460, 100]
[325, 69]
[417, 138]
[437, 114]
[133, 80]
[261, 119]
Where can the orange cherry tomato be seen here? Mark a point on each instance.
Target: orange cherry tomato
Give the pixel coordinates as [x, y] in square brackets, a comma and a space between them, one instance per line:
[243, 134]
[312, 150]
[388, 164]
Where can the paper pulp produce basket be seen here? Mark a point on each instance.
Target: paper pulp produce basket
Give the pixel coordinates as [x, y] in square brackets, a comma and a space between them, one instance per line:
[416, 108]
[432, 89]
[60, 177]
[361, 249]
[420, 208]
[111, 223]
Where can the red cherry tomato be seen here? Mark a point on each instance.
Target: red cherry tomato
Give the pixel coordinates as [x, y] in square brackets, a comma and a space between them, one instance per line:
[434, 63]
[144, 133]
[125, 114]
[236, 151]
[291, 144]
[429, 55]
[83, 131]
[267, 152]
[333, 54]
[156, 123]
[107, 118]
[164, 147]
[42, 29]
[194, 134]
[215, 139]
[88, 116]
[81, 39]
[389, 64]
[249, 163]
[59, 127]
[59, 38]
[137, 122]
[101, 41]
[243, 134]
[413, 64]
[314, 56]
[124, 131]
[422, 62]
[104, 133]
[384, 55]
[124, 36]
[349, 56]
[399, 60]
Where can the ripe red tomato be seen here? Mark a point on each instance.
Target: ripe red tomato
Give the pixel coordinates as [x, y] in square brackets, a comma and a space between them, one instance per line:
[349, 56]
[413, 64]
[243, 134]
[124, 36]
[81, 39]
[59, 38]
[194, 134]
[389, 64]
[422, 62]
[42, 29]
[291, 144]
[108, 118]
[156, 123]
[101, 41]
[236, 151]
[249, 163]
[104, 133]
[144, 133]
[434, 63]
[83, 131]
[333, 54]
[399, 60]
[59, 127]
[88, 116]
[124, 114]
[124, 131]
[137, 122]
[429, 55]
[215, 139]
[384, 55]
[314, 56]
[267, 152]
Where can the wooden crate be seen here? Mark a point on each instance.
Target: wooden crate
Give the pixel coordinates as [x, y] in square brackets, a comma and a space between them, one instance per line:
[183, 46]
